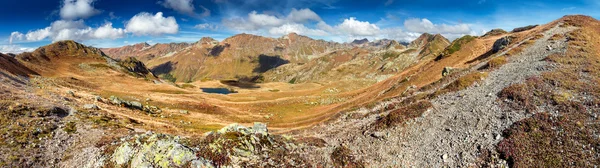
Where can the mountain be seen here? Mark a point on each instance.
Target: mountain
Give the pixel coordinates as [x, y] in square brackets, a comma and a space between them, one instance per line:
[429, 44]
[239, 55]
[145, 51]
[360, 42]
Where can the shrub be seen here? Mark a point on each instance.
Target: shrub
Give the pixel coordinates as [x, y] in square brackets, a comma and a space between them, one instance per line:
[70, 127]
[497, 62]
[169, 77]
[401, 115]
[462, 82]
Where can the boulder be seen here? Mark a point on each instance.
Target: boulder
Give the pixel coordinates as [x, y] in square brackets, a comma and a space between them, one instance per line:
[136, 105]
[71, 93]
[501, 43]
[91, 107]
[447, 71]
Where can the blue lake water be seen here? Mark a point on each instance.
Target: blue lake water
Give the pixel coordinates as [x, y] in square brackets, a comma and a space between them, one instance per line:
[216, 90]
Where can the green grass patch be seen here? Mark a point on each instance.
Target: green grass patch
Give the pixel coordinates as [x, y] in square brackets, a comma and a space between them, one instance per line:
[457, 44]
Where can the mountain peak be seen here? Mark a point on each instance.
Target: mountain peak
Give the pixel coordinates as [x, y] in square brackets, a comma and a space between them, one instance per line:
[359, 42]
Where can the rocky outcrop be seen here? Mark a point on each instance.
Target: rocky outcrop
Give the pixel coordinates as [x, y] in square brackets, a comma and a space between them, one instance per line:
[231, 145]
[133, 105]
[520, 29]
[155, 150]
[494, 32]
[136, 67]
[501, 43]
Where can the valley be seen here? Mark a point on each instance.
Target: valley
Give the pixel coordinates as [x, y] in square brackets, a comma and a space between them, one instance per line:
[293, 101]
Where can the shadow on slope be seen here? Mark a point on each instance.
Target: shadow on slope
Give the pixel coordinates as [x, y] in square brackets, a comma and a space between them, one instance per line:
[267, 63]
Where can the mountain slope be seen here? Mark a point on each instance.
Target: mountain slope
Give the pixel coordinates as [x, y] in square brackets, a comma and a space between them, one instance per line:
[145, 51]
[12, 66]
[430, 45]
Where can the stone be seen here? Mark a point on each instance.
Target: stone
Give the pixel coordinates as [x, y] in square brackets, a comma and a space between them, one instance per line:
[184, 112]
[136, 105]
[260, 128]
[91, 107]
[71, 93]
[445, 158]
[98, 98]
[447, 71]
[378, 135]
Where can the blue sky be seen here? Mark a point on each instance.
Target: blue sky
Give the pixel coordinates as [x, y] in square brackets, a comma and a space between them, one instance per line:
[28, 24]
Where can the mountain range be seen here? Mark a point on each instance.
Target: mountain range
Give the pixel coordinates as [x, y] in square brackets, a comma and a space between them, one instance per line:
[525, 98]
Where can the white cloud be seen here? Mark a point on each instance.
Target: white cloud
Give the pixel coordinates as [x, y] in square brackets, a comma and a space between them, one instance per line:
[296, 28]
[264, 20]
[78, 9]
[70, 30]
[148, 24]
[185, 7]
[426, 26]
[182, 6]
[15, 49]
[256, 21]
[302, 15]
[206, 26]
[399, 34]
[15, 36]
[108, 32]
[354, 27]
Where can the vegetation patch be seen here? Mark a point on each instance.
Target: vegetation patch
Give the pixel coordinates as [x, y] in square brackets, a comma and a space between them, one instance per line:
[496, 62]
[390, 54]
[168, 77]
[342, 157]
[494, 32]
[70, 127]
[462, 83]
[564, 133]
[401, 115]
[457, 44]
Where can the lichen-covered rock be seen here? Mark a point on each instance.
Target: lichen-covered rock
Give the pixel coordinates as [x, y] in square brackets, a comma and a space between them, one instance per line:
[136, 105]
[156, 150]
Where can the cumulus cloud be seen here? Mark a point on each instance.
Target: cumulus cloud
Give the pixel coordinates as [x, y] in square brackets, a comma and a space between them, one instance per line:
[108, 32]
[148, 24]
[69, 30]
[296, 28]
[15, 49]
[15, 36]
[185, 7]
[354, 27]
[302, 15]
[256, 21]
[426, 26]
[78, 9]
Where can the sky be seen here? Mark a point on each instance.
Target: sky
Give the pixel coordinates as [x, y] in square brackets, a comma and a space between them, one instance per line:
[28, 24]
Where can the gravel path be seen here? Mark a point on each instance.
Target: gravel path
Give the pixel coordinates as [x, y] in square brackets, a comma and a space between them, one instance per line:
[455, 131]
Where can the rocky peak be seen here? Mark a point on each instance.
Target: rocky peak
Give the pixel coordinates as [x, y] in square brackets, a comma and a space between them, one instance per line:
[359, 42]
[393, 44]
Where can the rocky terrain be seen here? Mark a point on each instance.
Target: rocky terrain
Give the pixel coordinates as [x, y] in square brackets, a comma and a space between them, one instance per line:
[525, 98]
